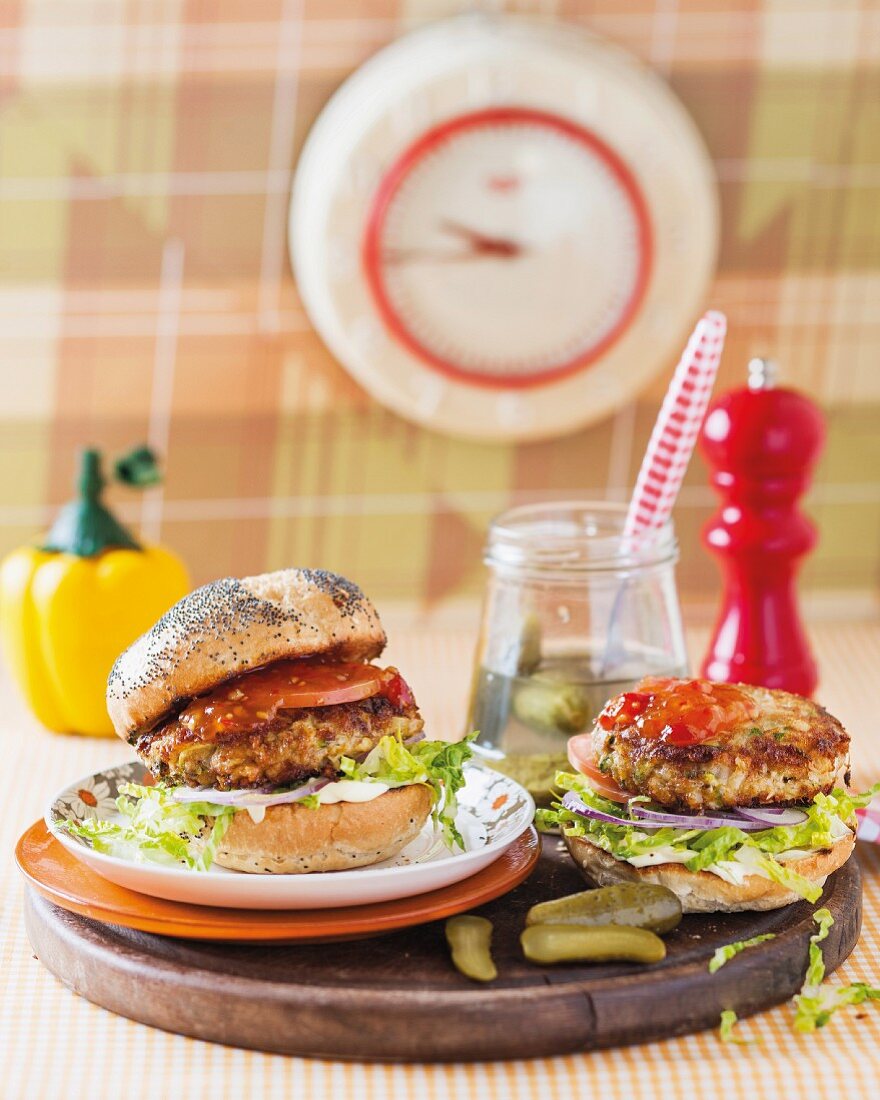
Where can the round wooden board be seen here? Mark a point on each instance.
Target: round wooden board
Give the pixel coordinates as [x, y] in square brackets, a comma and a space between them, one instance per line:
[397, 998]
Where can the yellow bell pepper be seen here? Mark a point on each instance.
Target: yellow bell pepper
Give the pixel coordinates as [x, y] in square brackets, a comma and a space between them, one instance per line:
[68, 609]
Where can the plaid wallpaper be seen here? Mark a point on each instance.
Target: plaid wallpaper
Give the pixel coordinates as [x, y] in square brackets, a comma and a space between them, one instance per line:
[146, 150]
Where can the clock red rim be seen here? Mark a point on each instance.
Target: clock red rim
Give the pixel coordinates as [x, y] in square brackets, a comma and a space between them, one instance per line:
[504, 116]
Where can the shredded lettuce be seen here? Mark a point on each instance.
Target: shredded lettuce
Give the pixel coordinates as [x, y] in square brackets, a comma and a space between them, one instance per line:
[829, 818]
[815, 1009]
[816, 1005]
[789, 878]
[816, 968]
[725, 1028]
[438, 764]
[714, 845]
[158, 829]
[810, 1011]
[725, 954]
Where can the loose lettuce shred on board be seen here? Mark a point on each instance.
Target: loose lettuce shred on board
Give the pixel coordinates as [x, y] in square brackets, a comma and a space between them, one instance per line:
[725, 954]
[816, 1003]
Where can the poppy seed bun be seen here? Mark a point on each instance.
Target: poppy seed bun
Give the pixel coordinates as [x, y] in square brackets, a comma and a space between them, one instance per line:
[296, 840]
[232, 626]
[701, 891]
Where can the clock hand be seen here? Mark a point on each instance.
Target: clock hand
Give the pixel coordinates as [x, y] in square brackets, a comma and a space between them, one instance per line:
[428, 255]
[414, 255]
[481, 243]
[481, 246]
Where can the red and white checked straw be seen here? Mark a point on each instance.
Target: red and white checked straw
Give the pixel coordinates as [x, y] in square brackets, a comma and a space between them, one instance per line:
[678, 425]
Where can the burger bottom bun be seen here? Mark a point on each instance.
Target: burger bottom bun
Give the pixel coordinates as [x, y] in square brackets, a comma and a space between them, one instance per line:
[297, 840]
[701, 891]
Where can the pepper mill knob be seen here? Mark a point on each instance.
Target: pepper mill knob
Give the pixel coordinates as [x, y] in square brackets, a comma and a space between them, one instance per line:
[761, 442]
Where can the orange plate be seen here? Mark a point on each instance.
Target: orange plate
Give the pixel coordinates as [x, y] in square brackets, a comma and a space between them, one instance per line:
[63, 879]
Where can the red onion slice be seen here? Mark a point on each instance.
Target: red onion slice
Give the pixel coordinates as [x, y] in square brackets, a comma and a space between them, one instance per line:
[575, 803]
[771, 816]
[718, 820]
[246, 798]
[749, 820]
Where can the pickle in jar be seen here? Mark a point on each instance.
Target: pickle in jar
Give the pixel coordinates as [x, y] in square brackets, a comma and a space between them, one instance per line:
[550, 705]
[529, 655]
[633, 904]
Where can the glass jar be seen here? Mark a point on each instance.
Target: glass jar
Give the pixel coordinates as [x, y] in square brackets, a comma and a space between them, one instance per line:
[574, 613]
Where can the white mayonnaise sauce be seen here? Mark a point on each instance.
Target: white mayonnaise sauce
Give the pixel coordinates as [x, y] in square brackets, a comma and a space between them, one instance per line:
[350, 790]
[344, 790]
[660, 855]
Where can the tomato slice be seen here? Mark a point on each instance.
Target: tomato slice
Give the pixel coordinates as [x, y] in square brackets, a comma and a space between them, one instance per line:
[293, 684]
[582, 757]
[254, 698]
[396, 690]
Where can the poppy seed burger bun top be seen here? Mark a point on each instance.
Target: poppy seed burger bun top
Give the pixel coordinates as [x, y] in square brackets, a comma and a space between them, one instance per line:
[231, 626]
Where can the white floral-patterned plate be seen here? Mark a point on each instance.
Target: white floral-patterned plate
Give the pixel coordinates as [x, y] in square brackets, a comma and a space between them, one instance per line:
[493, 812]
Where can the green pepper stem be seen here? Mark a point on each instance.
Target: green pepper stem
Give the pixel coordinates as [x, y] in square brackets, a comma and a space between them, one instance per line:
[84, 527]
[91, 480]
[138, 468]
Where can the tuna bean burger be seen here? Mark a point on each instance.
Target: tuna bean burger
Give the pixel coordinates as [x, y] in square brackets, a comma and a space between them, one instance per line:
[275, 740]
[733, 796]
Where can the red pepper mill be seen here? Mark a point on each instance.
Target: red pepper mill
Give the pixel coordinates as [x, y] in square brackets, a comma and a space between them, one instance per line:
[762, 443]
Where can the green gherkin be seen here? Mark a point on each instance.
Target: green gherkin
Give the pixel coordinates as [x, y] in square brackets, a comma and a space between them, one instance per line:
[551, 707]
[529, 656]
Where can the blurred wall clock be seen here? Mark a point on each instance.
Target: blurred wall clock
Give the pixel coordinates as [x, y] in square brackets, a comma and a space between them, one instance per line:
[503, 227]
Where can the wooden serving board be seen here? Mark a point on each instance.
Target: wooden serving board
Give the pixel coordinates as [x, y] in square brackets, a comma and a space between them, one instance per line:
[397, 997]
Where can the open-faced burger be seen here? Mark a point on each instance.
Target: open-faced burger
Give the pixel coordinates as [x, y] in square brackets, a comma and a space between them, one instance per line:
[731, 795]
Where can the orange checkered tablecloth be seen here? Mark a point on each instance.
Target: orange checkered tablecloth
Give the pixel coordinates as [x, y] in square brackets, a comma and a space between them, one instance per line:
[55, 1044]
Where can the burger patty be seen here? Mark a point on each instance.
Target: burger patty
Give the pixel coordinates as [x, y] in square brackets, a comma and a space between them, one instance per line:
[792, 751]
[293, 746]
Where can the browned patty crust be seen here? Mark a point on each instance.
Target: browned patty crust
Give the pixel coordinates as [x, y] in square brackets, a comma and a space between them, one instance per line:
[294, 746]
[790, 753]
